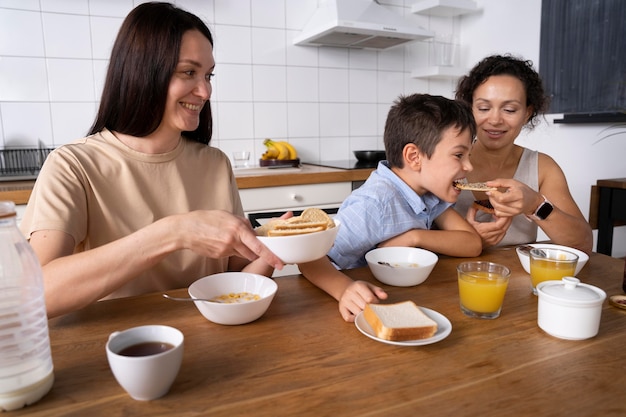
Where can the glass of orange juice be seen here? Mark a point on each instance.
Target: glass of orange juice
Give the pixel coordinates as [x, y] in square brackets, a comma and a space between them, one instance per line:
[482, 286]
[551, 265]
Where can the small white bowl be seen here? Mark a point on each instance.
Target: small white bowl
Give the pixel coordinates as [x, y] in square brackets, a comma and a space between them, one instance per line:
[302, 248]
[525, 259]
[401, 266]
[233, 282]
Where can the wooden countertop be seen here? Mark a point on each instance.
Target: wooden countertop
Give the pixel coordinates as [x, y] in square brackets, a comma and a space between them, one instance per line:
[308, 174]
[301, 359]
[19, 191]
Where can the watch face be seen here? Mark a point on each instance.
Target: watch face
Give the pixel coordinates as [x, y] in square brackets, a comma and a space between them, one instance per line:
[544, 210]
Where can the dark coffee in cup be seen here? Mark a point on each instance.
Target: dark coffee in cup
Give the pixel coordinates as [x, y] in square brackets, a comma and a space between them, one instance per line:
[145, 349]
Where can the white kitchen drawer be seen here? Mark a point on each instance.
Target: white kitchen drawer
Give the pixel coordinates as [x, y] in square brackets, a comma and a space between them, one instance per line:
[295, 196]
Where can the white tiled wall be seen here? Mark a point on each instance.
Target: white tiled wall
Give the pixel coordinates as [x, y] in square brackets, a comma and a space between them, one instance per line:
[327, 101]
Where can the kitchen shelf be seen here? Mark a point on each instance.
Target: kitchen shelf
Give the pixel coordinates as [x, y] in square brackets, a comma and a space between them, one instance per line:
[441, 72]
[444, 8]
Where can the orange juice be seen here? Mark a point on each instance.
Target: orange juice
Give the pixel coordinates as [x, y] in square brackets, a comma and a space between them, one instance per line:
[482, 291]
[550, 269]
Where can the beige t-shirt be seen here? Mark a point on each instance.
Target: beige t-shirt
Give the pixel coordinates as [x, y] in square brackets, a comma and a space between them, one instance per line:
[98, 190]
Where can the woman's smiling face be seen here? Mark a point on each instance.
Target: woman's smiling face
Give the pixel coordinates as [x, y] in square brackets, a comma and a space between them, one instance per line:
[190, 86]
[500, 110]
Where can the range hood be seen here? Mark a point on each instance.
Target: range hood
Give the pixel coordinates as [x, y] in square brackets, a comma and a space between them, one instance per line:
[358, 24]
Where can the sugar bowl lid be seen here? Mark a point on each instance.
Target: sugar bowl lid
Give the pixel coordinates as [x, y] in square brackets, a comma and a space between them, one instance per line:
[570, 290]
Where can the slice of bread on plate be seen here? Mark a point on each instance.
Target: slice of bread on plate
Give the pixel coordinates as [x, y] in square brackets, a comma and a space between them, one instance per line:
[400, 321]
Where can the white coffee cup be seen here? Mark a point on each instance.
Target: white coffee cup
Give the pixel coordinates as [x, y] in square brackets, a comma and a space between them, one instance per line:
[148, 375]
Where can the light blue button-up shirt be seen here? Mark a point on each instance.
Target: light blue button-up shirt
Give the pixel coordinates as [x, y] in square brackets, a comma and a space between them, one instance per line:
[383, 207]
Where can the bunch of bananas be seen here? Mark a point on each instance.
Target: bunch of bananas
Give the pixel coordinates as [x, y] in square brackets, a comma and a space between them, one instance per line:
[279, 150]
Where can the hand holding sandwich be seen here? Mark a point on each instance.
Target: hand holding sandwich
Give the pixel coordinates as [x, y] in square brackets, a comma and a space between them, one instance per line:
[512, 197]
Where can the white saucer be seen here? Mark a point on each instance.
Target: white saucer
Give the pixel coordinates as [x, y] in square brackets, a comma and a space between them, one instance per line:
[444, 327]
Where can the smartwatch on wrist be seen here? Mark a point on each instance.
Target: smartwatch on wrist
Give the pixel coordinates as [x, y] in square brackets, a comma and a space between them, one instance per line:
[544, 210]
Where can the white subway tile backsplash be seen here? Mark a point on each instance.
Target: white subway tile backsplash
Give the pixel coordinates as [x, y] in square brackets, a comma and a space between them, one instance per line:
[65, 6]
[71, 121]
[264, 87]
[335, 148]
[269, 83]
[234, 82]
[66, 35]
[110, 8]
[26, 35]
[365, 143]
[391, 59]
[363, 86]
[268, 46]
[232, 12]
[268, 13]
[303, 120]
[302, 56]
[99, 75]
[334, 57]
[103, 33]
[302, 84]
[202, 8]
[381, 116]
[362, 59]
[20, 4]
[26, 123]
[363, 121]
[23, 79]
[70, 80]
[334, 119]
[334, 85]
[270, 120]
[232, 45]
[389, 85]
[299, 12]
[236, 120]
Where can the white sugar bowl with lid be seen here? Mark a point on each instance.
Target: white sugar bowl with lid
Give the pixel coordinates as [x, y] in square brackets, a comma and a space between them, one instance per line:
[569, 309]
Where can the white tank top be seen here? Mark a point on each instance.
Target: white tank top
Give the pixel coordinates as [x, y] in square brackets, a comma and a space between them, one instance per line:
[522, 230]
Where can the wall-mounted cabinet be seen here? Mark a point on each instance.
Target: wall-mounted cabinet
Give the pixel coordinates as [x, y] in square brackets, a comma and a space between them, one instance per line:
[444, 8]
[439, 72]
[445, 51]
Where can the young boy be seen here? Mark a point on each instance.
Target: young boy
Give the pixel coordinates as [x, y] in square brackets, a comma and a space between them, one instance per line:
[427, 141]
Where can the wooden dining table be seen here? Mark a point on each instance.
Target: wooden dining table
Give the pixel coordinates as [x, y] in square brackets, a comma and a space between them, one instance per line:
[302, 359]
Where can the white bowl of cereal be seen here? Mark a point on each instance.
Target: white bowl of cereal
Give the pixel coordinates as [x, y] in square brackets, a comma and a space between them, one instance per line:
[301, 240]
[401, 266]
[238, 297]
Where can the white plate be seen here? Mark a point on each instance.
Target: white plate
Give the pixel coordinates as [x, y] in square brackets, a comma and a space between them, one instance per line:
[444, 327]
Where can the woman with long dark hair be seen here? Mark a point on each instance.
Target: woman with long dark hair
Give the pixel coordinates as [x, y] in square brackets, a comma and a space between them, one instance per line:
[143, 203]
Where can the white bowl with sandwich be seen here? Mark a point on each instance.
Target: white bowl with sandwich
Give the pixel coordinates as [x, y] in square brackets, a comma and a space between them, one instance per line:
[300, 239]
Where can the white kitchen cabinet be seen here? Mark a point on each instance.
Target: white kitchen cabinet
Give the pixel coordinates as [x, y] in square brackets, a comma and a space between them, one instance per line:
[294, 197]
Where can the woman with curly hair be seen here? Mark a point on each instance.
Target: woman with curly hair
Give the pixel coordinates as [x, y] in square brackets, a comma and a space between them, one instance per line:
[506, 94]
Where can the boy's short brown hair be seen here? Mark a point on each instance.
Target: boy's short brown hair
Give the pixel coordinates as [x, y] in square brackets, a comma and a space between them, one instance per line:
[421, 119]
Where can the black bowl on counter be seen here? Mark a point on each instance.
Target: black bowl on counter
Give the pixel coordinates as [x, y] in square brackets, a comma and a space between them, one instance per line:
[370, 156]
